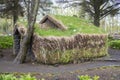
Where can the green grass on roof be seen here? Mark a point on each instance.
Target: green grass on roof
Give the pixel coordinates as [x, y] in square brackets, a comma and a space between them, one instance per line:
[75, 25]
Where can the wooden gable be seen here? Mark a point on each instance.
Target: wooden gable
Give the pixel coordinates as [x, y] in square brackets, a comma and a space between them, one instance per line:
[50, 22]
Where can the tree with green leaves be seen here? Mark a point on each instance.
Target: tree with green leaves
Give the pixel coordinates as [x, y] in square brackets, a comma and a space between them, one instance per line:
[98, 9]
[11, 8]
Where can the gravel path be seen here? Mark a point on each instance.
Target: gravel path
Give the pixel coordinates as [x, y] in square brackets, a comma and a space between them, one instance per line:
[114, 54]
[26, 68]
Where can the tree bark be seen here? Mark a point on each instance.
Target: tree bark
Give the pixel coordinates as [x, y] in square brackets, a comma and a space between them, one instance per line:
[26, 40]
[97, 13]
[15, 18]
[97, 21]
[15, 37]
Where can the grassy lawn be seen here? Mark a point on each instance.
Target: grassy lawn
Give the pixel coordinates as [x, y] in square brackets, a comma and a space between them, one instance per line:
[75, 25]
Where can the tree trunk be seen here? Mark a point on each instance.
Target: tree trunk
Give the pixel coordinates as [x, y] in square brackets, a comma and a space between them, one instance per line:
[23, 50]
[97, 21]
[26, 40]
[15, 37]
[15, 18]
[97, 13]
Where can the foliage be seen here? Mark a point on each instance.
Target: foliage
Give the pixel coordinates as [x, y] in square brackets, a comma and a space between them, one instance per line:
[12, 77]
[7, 77]
[27, 77]
[6, 41]
[5, 26]
[74, 24]
[86, 77]
[98, 9]
[66, 56]
[11, 8]
[115, 44]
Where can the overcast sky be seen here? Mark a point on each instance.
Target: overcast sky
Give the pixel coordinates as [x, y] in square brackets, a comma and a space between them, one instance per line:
[118, 1]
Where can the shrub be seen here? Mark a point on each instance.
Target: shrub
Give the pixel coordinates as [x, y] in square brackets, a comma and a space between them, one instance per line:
[27, 77]
[12, 77]
[115, 44]
[7, 77]
[6, 42]
[86, 77]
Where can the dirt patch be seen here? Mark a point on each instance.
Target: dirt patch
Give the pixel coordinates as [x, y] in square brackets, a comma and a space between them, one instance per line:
[6, 55]
[104, 74]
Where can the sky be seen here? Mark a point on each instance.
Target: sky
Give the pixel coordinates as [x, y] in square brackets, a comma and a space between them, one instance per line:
[118, 1]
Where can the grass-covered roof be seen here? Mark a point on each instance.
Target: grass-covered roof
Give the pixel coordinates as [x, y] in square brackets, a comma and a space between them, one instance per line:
[75, 25]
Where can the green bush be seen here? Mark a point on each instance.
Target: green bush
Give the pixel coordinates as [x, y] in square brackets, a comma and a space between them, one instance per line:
[115, 44]
[6, 42]
[86, 77]
[27, 77]
[12, 77]
[7, 77]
